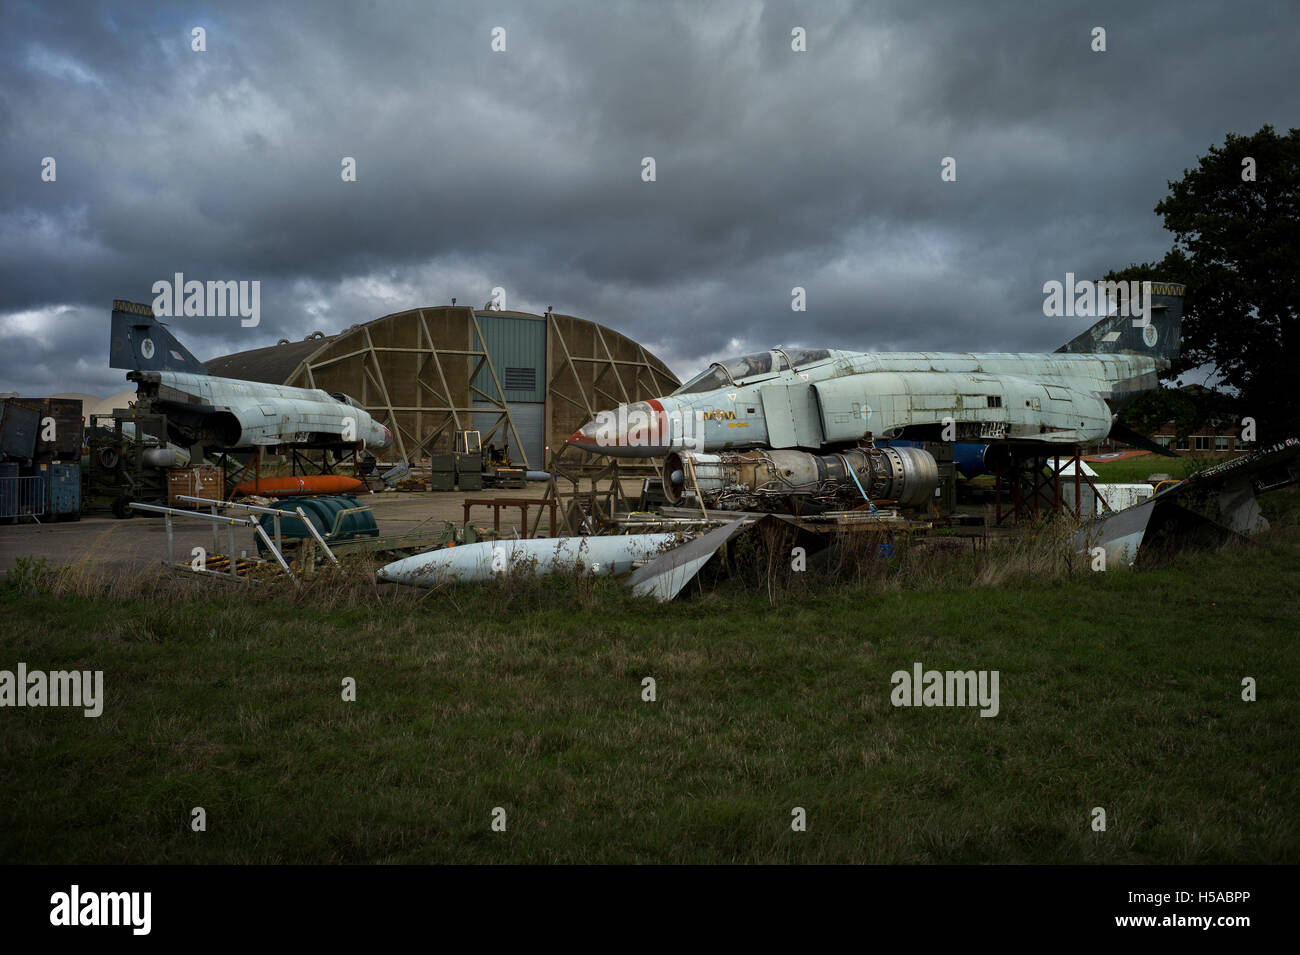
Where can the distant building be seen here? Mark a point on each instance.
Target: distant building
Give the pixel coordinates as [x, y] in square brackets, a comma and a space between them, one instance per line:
[1208, 441]
[1216, 433]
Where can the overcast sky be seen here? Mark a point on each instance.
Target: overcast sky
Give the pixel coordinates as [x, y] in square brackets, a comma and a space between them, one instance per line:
[523, 168]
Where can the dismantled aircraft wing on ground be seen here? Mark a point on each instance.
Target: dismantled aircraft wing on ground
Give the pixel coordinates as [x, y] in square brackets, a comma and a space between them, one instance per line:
[1208, 509]
[664, 577]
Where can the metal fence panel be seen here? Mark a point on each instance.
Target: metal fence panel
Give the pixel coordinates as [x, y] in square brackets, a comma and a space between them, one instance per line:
[22, 497]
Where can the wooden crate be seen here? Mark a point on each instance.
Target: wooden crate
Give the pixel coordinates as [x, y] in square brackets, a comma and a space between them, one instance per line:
[195, 482]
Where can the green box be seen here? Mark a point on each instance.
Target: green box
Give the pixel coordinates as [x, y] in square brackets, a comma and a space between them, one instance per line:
[469, 461]
[511, 477]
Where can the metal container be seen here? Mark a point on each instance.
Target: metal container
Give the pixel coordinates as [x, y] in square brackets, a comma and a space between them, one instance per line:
[69, 429]
[19, 428]
[511, 477]
[1118, 497]
[63, 489]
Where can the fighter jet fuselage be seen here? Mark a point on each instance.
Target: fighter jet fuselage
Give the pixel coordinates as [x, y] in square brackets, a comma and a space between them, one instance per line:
[821, 403]
[229, 413]
[774, 400]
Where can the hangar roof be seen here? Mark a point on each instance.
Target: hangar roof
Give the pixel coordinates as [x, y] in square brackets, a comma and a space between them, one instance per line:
[272, 364]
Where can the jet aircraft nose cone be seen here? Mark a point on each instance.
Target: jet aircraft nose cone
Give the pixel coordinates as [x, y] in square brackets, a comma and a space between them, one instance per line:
[637, 429]
[586, 437]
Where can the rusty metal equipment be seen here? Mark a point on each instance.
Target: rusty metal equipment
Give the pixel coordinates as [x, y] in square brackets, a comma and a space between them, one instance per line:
[765, 480]
[523, 503]
[1035, 486]
[128, 460]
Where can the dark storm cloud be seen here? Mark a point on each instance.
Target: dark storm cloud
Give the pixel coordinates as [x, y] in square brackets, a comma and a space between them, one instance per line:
[522, 169]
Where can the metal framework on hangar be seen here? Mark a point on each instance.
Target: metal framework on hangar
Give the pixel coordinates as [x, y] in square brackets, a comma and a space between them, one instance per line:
[590, 368]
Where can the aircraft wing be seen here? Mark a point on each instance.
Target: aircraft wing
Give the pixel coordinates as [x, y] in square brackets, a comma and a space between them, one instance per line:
[1126, 435]
[1050, 437]
[1208, 509]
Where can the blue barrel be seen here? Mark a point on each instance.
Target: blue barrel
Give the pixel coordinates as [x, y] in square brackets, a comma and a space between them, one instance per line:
[321, 512]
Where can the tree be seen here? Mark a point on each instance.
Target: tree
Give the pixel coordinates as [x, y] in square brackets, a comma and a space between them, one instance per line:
[1236, 225]
[1159, 408]
[1185, 410]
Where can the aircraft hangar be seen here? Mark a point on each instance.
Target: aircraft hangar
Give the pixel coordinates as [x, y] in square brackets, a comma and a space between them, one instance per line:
[523, 381]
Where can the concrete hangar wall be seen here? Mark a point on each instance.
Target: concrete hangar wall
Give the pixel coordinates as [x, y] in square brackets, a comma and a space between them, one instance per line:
[522, 380]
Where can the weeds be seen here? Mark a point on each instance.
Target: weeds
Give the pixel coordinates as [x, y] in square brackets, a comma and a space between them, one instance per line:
[784, 565]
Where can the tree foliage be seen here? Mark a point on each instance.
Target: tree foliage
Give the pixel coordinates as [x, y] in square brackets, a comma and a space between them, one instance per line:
[1237, 249]
[1158, 408]
[1187, 411]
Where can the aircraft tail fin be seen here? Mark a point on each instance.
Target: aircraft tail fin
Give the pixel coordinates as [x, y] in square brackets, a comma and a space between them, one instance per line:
[139, 342]
[1157, 333]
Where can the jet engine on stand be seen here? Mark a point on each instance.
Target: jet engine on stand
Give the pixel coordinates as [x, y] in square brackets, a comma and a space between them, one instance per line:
[766, 480]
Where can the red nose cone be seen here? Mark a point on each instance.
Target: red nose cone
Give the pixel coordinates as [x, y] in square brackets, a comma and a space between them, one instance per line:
[588, 438]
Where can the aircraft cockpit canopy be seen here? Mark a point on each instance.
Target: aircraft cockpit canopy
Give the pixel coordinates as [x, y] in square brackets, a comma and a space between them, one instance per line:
[734, 371]
[806, 356]
[724, 374]
[340, 396]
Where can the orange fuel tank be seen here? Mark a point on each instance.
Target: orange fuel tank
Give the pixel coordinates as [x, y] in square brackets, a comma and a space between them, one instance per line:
[301, 484]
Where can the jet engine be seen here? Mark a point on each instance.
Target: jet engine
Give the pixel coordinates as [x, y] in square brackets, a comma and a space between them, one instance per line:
[766, 480]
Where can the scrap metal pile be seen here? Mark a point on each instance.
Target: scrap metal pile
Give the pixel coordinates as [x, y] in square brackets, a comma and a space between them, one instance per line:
[1210, 508]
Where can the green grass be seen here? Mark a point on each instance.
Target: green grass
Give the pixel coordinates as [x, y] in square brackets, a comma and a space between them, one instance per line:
[1120, 690]
[1136, 470]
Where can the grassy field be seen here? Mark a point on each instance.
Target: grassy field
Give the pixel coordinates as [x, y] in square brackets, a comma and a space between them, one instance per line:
[1119, 690]
[1136, 470]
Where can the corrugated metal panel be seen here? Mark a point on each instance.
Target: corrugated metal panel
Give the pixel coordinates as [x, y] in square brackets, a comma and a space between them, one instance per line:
[530, 421]
[517, 345]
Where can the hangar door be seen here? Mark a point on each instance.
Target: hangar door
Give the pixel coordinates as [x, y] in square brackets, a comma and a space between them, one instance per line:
[517, 346]
[530, 422]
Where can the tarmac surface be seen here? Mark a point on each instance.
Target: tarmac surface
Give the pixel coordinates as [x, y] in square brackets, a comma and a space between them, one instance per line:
[139, 541]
